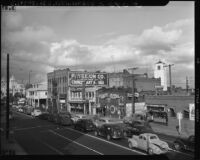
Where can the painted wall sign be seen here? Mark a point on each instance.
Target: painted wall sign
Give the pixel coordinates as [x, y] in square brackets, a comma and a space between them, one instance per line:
[90, 79]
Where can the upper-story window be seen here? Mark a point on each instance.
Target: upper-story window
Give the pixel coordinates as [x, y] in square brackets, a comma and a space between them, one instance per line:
[158, 67]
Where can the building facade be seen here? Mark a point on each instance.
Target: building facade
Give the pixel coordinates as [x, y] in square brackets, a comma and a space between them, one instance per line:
[125, 79]
[14, 87]
[75, 91]
[37, 95]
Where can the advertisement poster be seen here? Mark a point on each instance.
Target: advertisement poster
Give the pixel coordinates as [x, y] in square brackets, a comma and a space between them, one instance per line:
[88, 79]
[128, 109]
[191, 111]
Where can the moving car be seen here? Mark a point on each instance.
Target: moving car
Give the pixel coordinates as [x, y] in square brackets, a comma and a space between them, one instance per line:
[84, 125]
[109, 131]
[75, 117]
[36, 112]
[184, 143]
[148, 142]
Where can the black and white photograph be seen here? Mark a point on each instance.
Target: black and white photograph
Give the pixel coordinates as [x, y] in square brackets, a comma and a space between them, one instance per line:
[98, 80]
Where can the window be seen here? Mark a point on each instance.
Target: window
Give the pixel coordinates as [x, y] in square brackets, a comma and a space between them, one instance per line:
[45, 93]
[158, 67]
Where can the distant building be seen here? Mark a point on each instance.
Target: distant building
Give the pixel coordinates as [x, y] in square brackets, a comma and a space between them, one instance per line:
[160, 72]
[125, 79]
[37, 95]
[14, 87]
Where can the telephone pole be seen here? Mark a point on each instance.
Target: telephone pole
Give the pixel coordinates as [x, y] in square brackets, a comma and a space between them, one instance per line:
[170, 78]
[7, 100]
[133, 88]
[187, 86]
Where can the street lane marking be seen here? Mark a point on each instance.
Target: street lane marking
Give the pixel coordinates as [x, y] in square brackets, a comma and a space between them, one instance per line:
[182, 153]
[108, 142]
[75, 142]
[21, 129]
[54, 149]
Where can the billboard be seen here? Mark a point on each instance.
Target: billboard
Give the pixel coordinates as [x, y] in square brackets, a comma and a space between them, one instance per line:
[191, 111]
[89, 78]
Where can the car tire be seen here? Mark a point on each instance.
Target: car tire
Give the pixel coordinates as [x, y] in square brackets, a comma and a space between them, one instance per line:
[150, 151]
[177, 146]
[130, 145]
[108, 137]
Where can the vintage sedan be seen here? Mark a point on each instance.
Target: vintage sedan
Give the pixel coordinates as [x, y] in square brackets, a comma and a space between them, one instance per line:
[184, 143]
[148, 142]
[44, 116]
[109, 131]
[128, 130]
[106, 120]
[64, 118]
[36, 112]
[84, 125]
[75, 117]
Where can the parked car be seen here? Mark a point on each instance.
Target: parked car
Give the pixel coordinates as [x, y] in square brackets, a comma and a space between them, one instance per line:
[44, 115]
[84, 125]
[64, 118]
[142, 126]
[128, 130]
[109, 131]
[106, 120]
[75, 117]
[20, 109]
[36, 112]
[11, 115]
[184, 143]
[148, 142]
[51, 117]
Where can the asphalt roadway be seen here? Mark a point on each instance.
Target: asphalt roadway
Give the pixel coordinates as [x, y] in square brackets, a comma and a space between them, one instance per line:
[40, 137]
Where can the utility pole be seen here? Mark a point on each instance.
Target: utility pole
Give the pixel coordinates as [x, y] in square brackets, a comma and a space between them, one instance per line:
[133, 89]
[170, 78]
[187, 86]
[7, 100]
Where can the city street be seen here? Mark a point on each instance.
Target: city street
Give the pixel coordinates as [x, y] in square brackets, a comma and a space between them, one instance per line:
[38, 137]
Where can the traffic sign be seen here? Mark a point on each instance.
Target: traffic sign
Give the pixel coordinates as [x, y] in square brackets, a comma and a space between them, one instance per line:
[179, 115]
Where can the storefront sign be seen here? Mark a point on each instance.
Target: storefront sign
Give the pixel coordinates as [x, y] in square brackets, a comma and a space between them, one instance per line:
[191, 111]
[90, 79]
[62, 101]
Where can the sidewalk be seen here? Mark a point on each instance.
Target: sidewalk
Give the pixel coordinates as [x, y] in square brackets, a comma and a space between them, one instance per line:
[187, 128]
[9, 147]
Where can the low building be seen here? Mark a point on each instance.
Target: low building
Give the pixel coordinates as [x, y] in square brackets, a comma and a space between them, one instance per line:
[173, 104]
[37, 95]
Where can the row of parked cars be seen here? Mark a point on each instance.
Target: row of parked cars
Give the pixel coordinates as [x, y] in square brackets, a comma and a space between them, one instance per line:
[139, 133]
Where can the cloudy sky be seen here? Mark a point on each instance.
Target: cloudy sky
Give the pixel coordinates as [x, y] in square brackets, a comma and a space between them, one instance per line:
[99, 38]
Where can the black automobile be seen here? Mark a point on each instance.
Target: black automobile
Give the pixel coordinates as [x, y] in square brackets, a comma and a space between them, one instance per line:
[64, 118]
[182, 143]
[128, 130]
[142, 126]
[84, 125]
[109, 131]
[44, 116]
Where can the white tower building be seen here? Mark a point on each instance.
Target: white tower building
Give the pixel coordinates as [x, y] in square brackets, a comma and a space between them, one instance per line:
[160, 72]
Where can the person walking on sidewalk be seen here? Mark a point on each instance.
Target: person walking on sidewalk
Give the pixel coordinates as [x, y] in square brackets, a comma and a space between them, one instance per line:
[166, 117]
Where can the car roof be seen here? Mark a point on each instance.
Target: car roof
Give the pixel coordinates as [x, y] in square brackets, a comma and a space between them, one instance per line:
[148, 134]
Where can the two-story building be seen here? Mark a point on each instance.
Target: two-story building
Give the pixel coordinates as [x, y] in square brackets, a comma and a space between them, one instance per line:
[37, 95]
[75, 91]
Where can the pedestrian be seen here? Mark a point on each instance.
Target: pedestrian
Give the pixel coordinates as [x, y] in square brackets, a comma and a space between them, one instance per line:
[177, 128]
